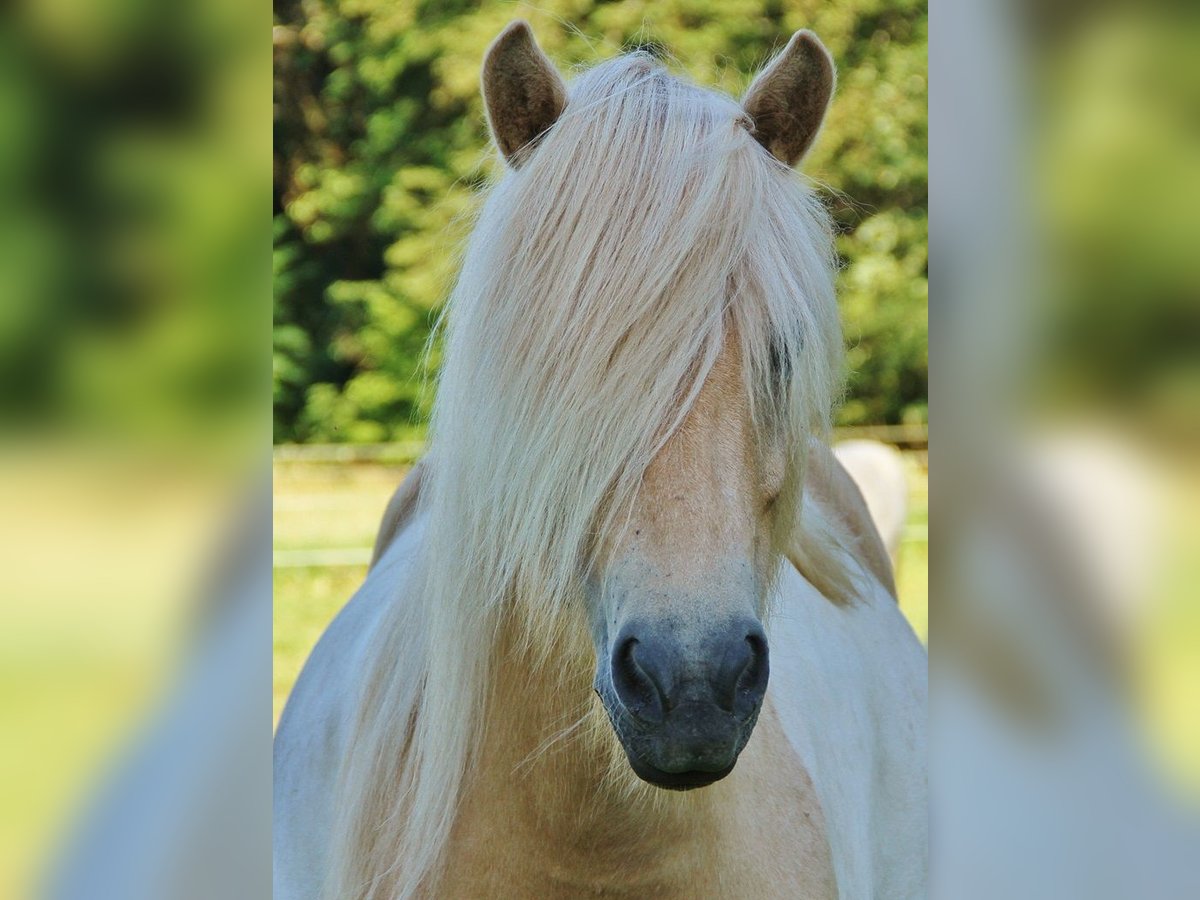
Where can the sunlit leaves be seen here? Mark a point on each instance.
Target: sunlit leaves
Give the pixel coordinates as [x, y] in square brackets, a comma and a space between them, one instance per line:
[381, 140]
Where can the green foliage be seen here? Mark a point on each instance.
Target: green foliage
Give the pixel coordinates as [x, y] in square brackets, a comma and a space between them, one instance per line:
[381, 144]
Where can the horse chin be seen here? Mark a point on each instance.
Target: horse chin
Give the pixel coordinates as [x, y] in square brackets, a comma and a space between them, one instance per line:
[656, 759]
[677, 781]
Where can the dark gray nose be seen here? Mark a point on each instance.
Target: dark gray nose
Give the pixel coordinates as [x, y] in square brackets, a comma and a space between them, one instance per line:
[655, 670]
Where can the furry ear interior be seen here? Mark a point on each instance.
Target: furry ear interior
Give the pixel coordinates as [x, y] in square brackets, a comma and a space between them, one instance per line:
[522, 90]
[787, 101]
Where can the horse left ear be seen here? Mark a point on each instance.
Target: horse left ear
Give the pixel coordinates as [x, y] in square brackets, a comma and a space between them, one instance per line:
[522, 90]
[787, 101]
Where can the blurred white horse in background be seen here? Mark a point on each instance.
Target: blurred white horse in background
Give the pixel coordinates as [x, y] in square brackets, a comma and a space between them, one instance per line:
[878, 470]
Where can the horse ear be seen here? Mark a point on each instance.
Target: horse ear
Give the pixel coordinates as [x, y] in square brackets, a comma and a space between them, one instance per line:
[787, 101]
[522, 90]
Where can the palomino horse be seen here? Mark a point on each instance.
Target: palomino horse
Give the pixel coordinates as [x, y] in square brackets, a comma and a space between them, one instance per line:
[561, 650]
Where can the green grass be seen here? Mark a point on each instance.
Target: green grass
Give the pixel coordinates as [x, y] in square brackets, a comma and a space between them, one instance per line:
[326, 506]
[912, 564]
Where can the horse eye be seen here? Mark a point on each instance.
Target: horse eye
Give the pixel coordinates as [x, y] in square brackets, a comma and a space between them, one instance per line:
[773, 472]
[781, 361]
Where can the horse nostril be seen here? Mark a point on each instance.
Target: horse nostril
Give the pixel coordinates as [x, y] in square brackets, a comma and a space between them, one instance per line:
[741, 678]
[635, 681]
[654, 675]
[753, 681]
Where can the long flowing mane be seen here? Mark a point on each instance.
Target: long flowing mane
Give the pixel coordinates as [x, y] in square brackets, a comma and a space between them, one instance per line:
[603, 277]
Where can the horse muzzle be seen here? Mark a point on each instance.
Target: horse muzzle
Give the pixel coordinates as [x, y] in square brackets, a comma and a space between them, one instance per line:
[684, 706]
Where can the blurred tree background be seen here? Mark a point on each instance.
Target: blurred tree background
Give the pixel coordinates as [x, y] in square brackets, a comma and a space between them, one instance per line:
[381, 146]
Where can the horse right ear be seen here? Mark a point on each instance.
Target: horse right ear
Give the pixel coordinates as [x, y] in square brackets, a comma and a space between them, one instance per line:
[787, 101]
[522, 91]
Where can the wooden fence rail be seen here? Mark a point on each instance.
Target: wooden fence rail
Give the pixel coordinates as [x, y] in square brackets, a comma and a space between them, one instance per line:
[906, 437]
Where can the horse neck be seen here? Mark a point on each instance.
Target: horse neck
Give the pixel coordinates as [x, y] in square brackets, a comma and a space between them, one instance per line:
[571, 783]
[573, 820]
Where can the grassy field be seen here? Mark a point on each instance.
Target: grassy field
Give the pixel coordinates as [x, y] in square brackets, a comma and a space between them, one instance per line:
[336, 507]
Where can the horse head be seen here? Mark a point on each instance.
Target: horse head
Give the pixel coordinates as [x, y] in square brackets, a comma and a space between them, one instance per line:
[676, 595]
